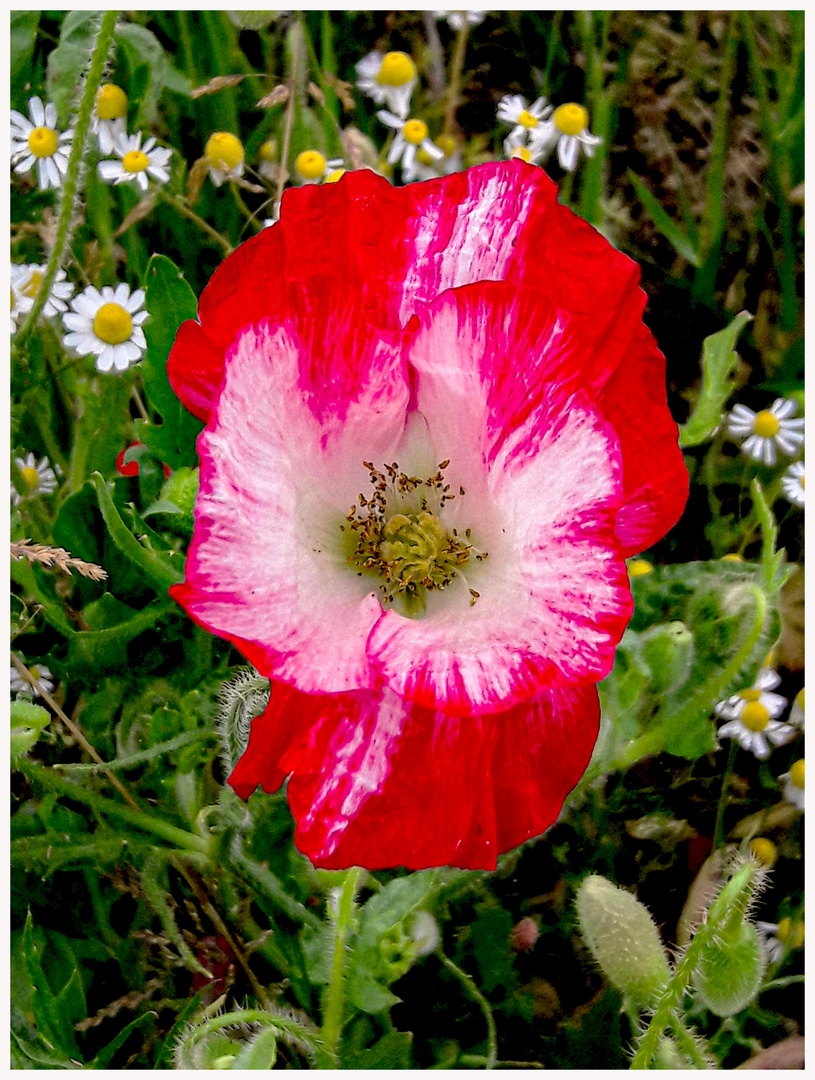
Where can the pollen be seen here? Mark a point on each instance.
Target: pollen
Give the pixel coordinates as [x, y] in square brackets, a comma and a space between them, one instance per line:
[571, 119]
[528, 120]
[112, 324]
[396, 69]
[783, 932]
[31, 477]
[111, 102]
[32, 286]
[310, 164]
[797, 773]
[135, 161]
[755, 716]
[749, 695]
[766, 424]
[223, 149]
[42, 142]
[415, 131]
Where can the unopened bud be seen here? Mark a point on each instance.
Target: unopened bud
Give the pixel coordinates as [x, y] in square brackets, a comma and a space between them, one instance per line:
[623, 939]
[523, 935]
[730, 971]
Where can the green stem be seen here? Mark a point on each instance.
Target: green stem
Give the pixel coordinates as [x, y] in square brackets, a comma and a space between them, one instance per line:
[69, 190]
[178, 204]
[334, 1013]
[472, 991]
[456, 68]
[779, 984]
[718, 829]
[687, 1044]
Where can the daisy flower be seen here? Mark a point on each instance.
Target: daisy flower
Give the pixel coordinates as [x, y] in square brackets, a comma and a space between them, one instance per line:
[517, 146]
[513, 109]
[40, 478]
[23, 688]
[389, 79]
[37, 142]
[568, 129]
[794, 784]
[137, 162]
[457, 19]
[777, 937]
[765, 430]
[792, 484]
[428, 168]
[26, 279]
[267, 155]
[109, 119]
[106, 324]
[412, 136]
[313, 167]
[433, 680]
[796, 716]
[751, 716]
[225, 156]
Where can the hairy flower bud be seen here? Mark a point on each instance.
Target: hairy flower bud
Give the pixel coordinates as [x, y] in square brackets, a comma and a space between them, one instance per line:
[730, 971]
[623, 939]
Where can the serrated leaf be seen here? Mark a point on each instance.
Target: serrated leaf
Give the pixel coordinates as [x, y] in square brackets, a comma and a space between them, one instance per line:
[68, 61]
[681, 243]
[718, 361]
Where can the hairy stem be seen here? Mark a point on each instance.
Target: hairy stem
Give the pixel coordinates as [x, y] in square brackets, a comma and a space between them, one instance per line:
[473, 992]
[334, 1012]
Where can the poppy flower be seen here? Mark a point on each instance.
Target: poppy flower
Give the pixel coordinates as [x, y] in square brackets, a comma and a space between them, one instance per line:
[436, 427]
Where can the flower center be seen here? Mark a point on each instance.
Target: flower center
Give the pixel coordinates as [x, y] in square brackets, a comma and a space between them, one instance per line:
[32, 286]
[446, 143]
[112, 324]
[396, 69]
[528, 120]
[415, 131]
[571, 119]
[223, 149]
[396, 537]
[135, 161]
[766, 424]
[310, 164]
[522, 153]
[797, 774]
[783, 933]
[749, 695]
[111, 102]
[799, 699]
[268, 150]
[32, 480]
[754, 716]
[334, 176]
[42, 142]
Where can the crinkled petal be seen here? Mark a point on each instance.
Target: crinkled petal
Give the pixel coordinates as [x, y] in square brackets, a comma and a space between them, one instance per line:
[377, 782]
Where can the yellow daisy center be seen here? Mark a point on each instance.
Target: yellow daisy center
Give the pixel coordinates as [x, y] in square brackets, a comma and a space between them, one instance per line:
[135, 161]
[522, 153]
[732, 557]
[446, 143]
[639, 568]
[223, 150]
[749, 695]
[112, 324]
[42, 142]
[310, 164]
[797, 773]
[571, 119]
[32, 480]
[783, 933]
[763, 851]
[396, 69]
[799, 699]
[754, 716]
[12, 299]
[268, 150]
[32, 286]
[111, 102]
[765, 424]
[528, 120]
[334, 176]
[415, 131]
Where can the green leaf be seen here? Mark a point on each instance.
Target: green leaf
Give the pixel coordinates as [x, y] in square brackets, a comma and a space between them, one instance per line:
[48, 853]
[106, 1054]
[718, 361]
[27, 722]
[368, 995]
[170, 302]
[391, 1052]
[21, 50]
[147, 67]
[259, 1053]
[68, 61]
[679, 241]
[52, 1015]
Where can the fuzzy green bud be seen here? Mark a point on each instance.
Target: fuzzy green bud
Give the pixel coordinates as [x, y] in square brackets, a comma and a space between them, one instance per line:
[730, 971]
[623, 939]
[668, 651]
[181, 489]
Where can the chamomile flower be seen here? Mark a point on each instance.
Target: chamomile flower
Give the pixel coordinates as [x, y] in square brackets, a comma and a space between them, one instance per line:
[794, 784]
[527, 119]
[518, 146]
[267, 158]
[36, 141]
[389, 79]
[106, 324]
[568, 129]
[765, 430]
[412, 136]
[225, 156]
[796, 716]
[26, 279]
[39, 478]
[751, 716]
[428, 168]
[109, 119]
[312, 167]
[777, 937]
[21, 687]
[457, 19]
[792, 484]
[137, 162]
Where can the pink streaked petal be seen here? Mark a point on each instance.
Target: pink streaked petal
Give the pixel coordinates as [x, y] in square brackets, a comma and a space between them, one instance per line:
[377, 782]
[303, 404]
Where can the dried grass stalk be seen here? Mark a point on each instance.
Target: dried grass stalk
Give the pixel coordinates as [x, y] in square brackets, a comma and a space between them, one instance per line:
[51, 557]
